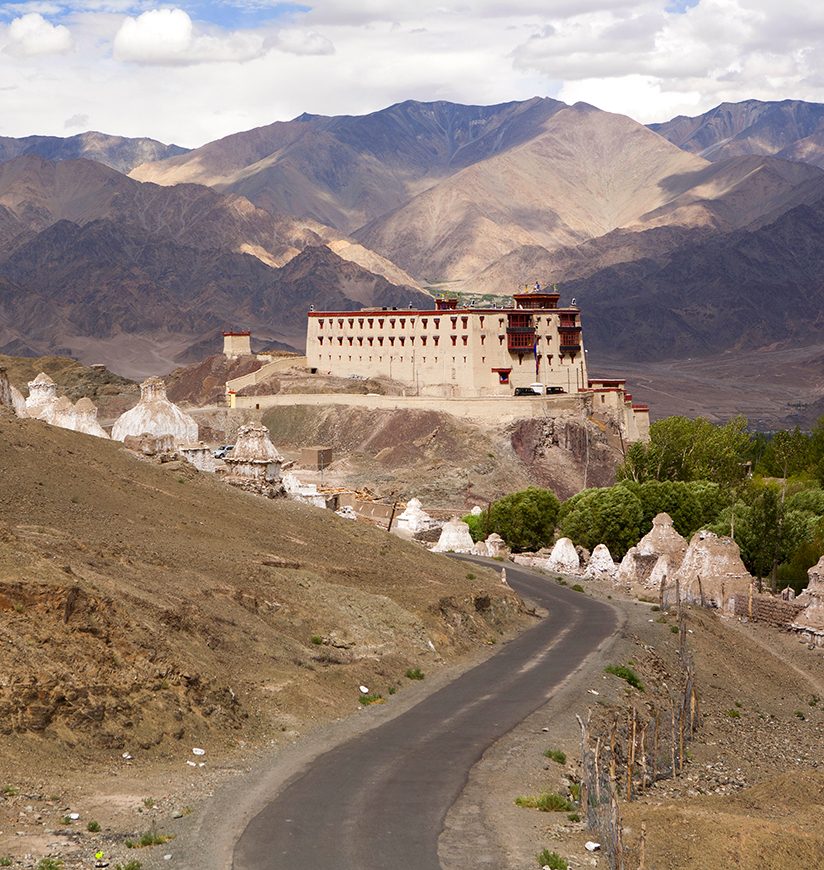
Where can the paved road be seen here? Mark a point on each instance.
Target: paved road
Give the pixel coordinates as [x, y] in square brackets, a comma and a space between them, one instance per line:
[378, 801]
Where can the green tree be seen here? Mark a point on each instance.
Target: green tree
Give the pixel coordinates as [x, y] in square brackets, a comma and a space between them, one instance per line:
[525, 520]
[787, 452]
[476, 526]
[610, 516]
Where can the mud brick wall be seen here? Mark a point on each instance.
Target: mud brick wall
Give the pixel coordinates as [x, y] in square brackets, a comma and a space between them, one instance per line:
[766, 608]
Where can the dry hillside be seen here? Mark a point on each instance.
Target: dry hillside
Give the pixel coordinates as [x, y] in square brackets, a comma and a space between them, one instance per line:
[145, 605]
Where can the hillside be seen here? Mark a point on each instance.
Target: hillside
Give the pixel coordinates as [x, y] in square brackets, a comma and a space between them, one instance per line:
[788, 128]
[118, 152]
[179, 609]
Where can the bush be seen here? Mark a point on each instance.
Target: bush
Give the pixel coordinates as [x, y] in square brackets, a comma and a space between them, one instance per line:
[555, 755]
[415, 674]
[49, 864]
[476, 526]
[548, 802]
[525, 520]
[93, 827]
[149, 838]
[610, 516]
[552, 860]
[576, 587]
[627, 674]
[366, 700]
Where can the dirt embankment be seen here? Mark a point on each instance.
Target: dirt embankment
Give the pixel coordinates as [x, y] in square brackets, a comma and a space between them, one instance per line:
[752, 790]
[150, 609]
[446, 461]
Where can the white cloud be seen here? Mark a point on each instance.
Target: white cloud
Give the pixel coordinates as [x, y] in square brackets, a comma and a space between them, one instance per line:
[142, 69]
[295, 41]
[31, 35]
[168, 37]
[77, 120]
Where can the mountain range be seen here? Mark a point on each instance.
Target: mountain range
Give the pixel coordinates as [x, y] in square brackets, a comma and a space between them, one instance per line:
[691, 237]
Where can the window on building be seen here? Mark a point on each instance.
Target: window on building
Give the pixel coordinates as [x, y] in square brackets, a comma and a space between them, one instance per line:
[454, 339]
[351, 321]
[501, 339]
[483, 339]
[464, 339]
[360, 322]
[320, 339]
[424, 321]
[340, 322]
[436, 339]
[423, 340]
[351, 339]
[380, 323]
[392, 322]
[392, 340]
[454, 322]
[320, 323]
[402, 340]
[464, 322]
[481, 318]
[371, 321]
[380, 341]
[360, 339]
[370, 339]
[340, 339]
[403, 322]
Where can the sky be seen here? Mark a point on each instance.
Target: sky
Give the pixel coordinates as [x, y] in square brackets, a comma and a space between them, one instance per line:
[189, 72]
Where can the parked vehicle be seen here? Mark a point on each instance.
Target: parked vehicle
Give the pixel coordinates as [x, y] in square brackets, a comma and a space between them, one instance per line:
[220, 452]
[525, 391]
[554, 391]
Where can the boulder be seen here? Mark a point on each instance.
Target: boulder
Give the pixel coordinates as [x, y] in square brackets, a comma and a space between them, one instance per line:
[564, 558]
[155, 415]
[601, 565]
[711, 574]
[455, 538]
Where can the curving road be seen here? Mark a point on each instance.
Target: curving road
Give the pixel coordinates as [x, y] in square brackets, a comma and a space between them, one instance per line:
[378, 801]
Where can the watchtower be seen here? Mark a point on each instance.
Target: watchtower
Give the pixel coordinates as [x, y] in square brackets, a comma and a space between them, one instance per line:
[237, 344]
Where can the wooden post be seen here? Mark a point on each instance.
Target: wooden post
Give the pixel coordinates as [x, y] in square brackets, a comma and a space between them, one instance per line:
[597, 765]
[672, 735]
[642, 858]
[644, 756]
[655, 748]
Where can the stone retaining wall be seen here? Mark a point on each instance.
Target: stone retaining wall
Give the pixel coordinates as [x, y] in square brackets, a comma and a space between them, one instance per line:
[766, 608]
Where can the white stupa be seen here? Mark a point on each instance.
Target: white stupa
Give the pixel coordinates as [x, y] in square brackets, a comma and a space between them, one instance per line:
[42, 396]
[155, 415]
[414, 518]
[601, 565]
[564, 558]
[455, 538]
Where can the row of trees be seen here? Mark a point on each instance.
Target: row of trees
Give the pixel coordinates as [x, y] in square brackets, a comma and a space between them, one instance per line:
[765, 492]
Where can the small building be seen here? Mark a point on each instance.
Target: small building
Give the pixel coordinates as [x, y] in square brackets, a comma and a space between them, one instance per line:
[316, 458]
[237, 344]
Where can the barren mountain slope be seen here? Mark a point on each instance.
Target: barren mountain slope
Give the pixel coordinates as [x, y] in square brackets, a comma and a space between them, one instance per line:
[752, 289]
[587, 173]
[119, 152]
[345, 170]
[111, 293]
[151, 608]
[748, 127]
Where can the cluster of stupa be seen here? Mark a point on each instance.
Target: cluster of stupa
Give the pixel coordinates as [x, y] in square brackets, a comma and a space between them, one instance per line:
[43, 403]
[456, 538]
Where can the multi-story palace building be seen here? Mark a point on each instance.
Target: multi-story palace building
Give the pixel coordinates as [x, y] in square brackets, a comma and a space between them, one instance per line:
[451, 351]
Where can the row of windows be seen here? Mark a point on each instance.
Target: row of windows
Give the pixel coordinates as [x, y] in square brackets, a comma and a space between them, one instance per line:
[513, 320]
[422, 360]
[520, 341]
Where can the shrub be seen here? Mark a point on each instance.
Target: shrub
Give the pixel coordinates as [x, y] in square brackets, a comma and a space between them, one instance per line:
[548, 802]
[556, 755]
[552, 860]
[575, 791]
[10, 791]
[49, 864]
[93, 827]
[627, 674]
[733, 714]
[525, 520]
[415, 674]
[317, 639]
[366, 700]
[149, 838]
[574, 817]
[674, 629]
[6, 861]
[577, 587]
[149, 803]
[476, 523]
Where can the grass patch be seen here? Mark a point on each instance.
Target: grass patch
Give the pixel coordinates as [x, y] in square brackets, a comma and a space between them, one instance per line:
[49, 864]
[674, 629]
[548, 802]
[577, 588]
[733, 714]
[150, 838]
[561, 581]
[575, 791]
[316, 639]
[800, 715]
[6, 861]
[129, 865]
[93, 827]
[470, 576]
[415, 674]
[552, 860]
[10, 791]
[149, 803]
[375, 698]
[627, 674]
[655, 608]
[65, 820]
[574, 817]
[555, 755]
